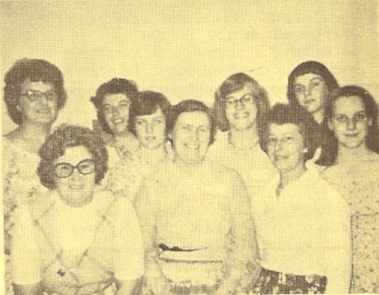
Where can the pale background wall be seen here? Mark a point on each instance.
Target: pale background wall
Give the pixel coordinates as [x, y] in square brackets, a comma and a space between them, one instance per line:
[185, 49]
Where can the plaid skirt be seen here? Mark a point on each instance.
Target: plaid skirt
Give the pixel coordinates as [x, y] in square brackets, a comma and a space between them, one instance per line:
[273, 282]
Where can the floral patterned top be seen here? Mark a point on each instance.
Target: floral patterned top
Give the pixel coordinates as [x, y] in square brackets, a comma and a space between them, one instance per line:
[358, 182]
[126, 176]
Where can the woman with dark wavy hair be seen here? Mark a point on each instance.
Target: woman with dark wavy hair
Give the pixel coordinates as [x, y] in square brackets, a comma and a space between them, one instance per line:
[113, 101]
[73, 239]
[351, 164]
[34, 93]
[303, 223]
[239, 104]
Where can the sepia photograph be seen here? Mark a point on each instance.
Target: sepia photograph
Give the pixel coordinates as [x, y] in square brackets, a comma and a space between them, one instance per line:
[190, 147]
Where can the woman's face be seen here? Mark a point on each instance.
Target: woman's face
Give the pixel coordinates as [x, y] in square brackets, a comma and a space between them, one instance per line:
[38, 102]
[116, 112]
[75, 189]
[191, 136]
[310, 91]
[150, 129]
[240, 108]
[350, 123]
[286, 147]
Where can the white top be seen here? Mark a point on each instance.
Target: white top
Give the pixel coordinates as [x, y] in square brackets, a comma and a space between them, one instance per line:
[305, 231]
[107, 227]
[253, 164]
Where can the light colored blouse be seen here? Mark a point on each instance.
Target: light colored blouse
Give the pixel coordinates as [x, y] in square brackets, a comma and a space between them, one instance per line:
[305, 231]
[206, 212]
[68, 246]
[253, 164]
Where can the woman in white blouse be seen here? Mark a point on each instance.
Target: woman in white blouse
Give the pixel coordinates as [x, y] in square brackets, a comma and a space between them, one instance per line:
[303, 224]
[195, 216]
[74, 239]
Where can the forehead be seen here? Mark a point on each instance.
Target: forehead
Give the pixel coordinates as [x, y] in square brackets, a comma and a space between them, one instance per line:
[348, 104]
[247, 88]
[115, 99]
[157, 114]
[38, 85]
[306, 78]
[279, 130]
[193, 118]
[74, 155]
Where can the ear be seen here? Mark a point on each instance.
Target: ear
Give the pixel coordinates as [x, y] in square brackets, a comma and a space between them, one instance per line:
[305, 151]
[369, 123]
[18, 108]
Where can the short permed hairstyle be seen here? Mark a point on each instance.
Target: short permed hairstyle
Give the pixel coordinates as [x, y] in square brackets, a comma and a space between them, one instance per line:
[281, 114]
[36, 70]
[307, 67]
[66, 136]
[330, 148]
[147, 103]
[189, 106]
[113, 86]
[235, 83]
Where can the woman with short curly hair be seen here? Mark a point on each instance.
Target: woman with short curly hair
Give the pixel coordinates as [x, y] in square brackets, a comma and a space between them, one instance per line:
[34, 93]
[78, 241]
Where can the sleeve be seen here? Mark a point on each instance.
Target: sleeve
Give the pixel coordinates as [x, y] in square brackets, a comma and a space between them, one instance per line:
[339, 251]
[25, 257]
[242, 260]
[128, 247]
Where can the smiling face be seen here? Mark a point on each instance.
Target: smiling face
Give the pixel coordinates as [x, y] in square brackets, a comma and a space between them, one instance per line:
[77, 189]
[116, 112]
[241, 114]
[286, 147]
[43, 110]
[191, 137]
[310, 90]
[150, 129]
[350, 123]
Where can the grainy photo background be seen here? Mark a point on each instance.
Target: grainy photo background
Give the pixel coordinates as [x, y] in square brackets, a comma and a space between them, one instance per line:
[185, 49]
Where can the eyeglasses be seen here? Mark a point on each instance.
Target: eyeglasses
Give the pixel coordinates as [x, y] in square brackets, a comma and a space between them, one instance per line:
[34, 95]
[247, 99]
[122, 106]
[357, 118]
[64, 170]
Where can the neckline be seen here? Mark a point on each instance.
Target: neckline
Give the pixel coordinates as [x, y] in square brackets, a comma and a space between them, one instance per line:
[231, 144]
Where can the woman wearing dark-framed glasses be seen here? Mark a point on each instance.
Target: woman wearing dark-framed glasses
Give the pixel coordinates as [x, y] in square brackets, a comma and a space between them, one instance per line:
[239, 103]
[34, 93]
[350, 162]
[79, 240]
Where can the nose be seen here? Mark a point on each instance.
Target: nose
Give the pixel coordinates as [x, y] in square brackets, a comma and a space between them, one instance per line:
[238, 104]
[75, 174]
[278, 145]
[115, 111]
[149, 128]
[351, 124]
[307, 91]
[43, 100]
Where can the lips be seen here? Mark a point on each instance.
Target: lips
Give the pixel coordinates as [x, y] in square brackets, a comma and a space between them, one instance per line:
[192, 146]
[76, 186]
[242, 115]
[117, 121]
[43, 111]
[150, 138]
[352, 135]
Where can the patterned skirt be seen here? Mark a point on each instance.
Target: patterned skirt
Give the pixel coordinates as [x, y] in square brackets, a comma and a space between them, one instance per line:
[273, 282]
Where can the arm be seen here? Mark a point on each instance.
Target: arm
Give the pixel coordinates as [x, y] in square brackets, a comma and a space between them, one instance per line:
[339, 250]
[33, 289]
[242, 262]
[154, 280]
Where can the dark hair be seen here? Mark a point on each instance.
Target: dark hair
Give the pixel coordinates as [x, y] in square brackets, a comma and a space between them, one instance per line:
[235, 83]
[36, 70]
[66, 136]
[281, 114]
[189, 106]
[330, 149]
[114, 86]
[307, 67]
[147, 103]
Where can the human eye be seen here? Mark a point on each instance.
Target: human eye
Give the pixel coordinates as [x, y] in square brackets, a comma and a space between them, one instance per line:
[340, 118]
[124, 104]
[204, 129]
[288, 139]
[271, 140]
[360, 117]
[158, 120]
[107, 108]
[186, 127]
[86, 166]
[230, 102]
[51, 95]
[299, 89]
[248, 98]
[63, 169]
[139, 122]
[33, 95]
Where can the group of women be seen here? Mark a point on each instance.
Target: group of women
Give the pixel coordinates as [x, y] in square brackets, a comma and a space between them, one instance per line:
[238, 199]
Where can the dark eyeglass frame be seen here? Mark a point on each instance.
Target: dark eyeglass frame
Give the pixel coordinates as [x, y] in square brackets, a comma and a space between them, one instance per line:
[247, 99]
[77, 166]
[36, 95]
